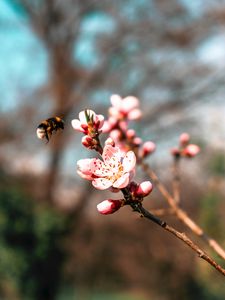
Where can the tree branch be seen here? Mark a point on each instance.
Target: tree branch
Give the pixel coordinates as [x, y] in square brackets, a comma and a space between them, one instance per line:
[182, 236]
[176, 180]
[181, 214]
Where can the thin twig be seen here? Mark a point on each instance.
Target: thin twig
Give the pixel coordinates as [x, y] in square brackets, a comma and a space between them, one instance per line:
[162, 211]
[181, 214]
[182, 236]
[176, 179]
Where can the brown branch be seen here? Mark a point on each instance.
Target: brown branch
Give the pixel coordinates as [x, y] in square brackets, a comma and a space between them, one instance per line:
[162, 211]
[181, 214]
[176, 180]
[182, 236]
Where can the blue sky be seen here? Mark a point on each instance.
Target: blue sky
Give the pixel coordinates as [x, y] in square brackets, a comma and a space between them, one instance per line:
[23, 58]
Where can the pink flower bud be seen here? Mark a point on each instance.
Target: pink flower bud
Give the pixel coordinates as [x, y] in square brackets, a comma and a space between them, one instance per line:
[144, 189]
[109, 206]
[133, 187]
[130, 133]
[134, 114]
[129, 103]
[148, 148]
[116, 101]
[109, 124]
[106, 127]
[191, 150]
[114, 113]
[184, 139]
[137, 141]
[125, 109]
[115, 134]
[123, 125]
[87, 141]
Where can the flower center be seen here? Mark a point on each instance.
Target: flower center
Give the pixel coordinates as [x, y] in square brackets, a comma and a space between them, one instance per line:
[117, 171]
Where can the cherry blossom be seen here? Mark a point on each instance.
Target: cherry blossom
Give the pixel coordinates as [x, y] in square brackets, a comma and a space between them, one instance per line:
[115, 170]
[126, 108]
[185, 149]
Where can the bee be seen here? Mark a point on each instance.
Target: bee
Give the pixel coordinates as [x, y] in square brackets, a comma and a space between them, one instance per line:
[46, 128]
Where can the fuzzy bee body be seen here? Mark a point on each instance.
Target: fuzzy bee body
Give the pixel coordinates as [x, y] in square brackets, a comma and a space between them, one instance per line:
[46, 128]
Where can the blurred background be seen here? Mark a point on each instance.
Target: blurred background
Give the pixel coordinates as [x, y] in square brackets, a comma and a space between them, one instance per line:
[59, 57]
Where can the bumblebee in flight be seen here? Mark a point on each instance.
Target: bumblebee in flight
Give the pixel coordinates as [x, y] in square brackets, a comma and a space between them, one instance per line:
[46, 128]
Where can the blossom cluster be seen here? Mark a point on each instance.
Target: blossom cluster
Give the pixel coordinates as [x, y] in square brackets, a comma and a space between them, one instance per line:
[185, 149]
[89, 123]
[120, 113]
[123, 149]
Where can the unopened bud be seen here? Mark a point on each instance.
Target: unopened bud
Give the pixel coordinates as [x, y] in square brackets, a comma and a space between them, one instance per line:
[135, 114]
[133, 187]
[137, 141]
[184, 139]
[144, 189]
[88, 142]
[109, 206]
[130, 133]
[148, 148]
[115, 134]
[191, 150]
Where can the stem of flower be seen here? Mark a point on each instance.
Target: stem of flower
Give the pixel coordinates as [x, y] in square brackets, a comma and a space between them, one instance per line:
[137, 206]
[176, 179]
[98, 146]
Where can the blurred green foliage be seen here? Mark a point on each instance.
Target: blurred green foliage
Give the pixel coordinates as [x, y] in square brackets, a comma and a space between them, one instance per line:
[217, 164]
[30, 249]
[210, 219]
[210, 215]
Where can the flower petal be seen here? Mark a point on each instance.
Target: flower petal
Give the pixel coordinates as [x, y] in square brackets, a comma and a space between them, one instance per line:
[85, 165]
[134, 114]
[129, 103]
[101, 183]
[110, 153]
[129, 161]
[100, 120]
[114, 112]
[85, 176]
[98, 167]
[116, 101]
[122, 182]
[82, 115]
[76, 124]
